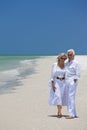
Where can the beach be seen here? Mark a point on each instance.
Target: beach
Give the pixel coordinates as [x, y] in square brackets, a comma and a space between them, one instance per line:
[25, 107]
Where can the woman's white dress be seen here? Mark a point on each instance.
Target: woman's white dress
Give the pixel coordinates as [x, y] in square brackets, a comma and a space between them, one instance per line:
[59, 96]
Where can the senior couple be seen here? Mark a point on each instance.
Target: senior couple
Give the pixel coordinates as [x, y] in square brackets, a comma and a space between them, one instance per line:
[63, 83]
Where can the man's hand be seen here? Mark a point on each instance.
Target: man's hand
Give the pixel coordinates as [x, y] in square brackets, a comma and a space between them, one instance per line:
[75, 80]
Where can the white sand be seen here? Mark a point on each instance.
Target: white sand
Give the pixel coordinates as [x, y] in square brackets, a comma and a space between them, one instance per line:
[26, 108]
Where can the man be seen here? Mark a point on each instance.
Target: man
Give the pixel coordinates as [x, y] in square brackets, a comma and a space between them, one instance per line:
[72, 76]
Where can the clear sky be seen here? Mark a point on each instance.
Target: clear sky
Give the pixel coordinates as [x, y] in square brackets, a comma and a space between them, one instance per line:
[43, 26]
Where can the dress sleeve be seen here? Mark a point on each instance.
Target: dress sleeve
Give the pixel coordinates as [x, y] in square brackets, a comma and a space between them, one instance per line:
[52, 73]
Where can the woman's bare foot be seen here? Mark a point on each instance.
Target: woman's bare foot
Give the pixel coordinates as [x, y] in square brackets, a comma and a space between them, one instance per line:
[59, 115]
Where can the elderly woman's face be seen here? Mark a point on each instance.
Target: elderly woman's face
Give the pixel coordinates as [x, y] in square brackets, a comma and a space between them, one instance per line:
[63, 58]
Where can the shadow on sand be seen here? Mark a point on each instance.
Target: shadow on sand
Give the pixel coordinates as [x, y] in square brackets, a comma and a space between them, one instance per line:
[62, 116]
[57, 116]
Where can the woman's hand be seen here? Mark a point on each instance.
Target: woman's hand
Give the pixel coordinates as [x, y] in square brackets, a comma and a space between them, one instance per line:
[53, 86]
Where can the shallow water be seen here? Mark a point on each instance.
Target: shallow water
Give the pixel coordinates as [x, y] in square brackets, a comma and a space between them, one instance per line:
[14, 68]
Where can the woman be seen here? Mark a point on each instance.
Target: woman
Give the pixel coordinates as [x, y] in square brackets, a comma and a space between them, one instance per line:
[57, 84]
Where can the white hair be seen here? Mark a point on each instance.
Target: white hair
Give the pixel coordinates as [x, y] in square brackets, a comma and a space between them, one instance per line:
[71, 50]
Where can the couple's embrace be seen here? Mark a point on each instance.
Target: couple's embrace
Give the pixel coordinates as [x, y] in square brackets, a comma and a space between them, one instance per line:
[63, 83]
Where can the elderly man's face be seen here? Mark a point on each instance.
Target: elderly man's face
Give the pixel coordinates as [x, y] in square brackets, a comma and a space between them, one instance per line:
[70, 55]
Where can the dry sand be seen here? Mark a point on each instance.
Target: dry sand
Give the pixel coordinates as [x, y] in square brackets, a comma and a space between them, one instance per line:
[26, 107]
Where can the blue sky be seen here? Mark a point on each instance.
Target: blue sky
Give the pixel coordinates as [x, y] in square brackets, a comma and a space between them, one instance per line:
[43, 27]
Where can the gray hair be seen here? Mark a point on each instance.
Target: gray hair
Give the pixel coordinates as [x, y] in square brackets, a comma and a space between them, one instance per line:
[71, 50]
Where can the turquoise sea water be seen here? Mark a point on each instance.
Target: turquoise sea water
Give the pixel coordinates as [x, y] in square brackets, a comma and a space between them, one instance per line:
[8, 62]
[14, 68]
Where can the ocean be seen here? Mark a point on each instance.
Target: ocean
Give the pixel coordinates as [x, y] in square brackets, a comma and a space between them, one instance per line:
[13, 69]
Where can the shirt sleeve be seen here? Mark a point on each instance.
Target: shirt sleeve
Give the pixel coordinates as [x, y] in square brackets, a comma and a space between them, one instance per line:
[77, 75]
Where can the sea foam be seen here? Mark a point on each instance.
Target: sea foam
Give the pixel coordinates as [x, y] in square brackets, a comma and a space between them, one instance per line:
[11, 76]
